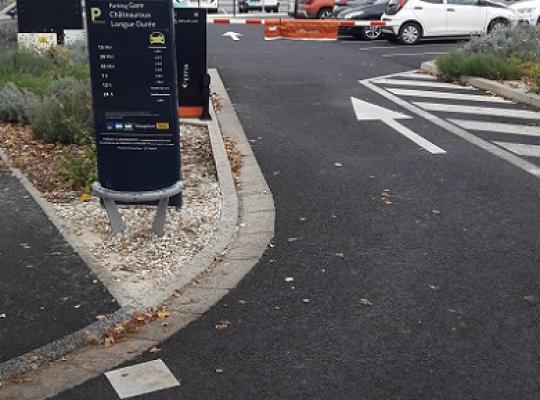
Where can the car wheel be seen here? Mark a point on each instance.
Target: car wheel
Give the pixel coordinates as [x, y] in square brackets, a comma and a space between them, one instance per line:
[410, 33]
[370, 32]
[324, 13]
[497, 25]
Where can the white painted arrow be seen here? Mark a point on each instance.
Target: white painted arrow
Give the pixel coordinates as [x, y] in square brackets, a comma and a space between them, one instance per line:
[369, 112]
[233, 35]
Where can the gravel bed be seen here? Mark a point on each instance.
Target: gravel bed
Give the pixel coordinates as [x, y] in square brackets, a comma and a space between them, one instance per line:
[138, 259]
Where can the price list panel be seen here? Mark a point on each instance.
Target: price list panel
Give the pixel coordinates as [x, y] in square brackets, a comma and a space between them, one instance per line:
[133, 70]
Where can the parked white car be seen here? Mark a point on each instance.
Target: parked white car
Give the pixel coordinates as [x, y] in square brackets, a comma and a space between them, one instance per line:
[528, 11]
[411, 20]
[210, 5]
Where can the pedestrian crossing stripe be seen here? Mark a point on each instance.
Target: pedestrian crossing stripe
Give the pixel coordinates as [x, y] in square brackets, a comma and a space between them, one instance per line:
[429, 84]
[526, 150]
[499, 127]
[448, 96]
[495, 112]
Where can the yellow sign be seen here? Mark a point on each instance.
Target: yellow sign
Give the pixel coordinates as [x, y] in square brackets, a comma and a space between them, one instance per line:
[157, 38]
[95, 13]
[162, 125]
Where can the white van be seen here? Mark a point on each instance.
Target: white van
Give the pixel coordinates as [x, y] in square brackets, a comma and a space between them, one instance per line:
[411, 20]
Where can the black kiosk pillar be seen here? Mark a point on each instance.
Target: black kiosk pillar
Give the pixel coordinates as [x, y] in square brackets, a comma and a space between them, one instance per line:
[193, 78]
[134, 88]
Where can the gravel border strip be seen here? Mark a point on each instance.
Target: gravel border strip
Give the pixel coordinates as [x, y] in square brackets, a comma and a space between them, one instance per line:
[195, 299]
[500, 89]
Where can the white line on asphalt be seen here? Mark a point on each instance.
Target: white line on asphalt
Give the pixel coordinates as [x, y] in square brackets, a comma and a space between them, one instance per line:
[446, 95]
[142, 378]
[379, 48]
[416, 138]
[408, 82]
[463, 134]
[365, 111]
[416, 75]
[431, 53]
[498, 112]
[514, 129]
[526, 150]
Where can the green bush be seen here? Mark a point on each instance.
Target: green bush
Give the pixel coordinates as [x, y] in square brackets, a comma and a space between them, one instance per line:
[80, 170]
[15, 104]
[522, 42]
[8, 34]
[35, 71]
[64, 113]
[78, 52]
[452, 66]
[534, 74]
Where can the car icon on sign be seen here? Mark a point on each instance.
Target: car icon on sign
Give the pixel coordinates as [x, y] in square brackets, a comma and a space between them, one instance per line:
[157, 38]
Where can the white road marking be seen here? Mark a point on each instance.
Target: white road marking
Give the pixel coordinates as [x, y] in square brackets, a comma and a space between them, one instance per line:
[416, 75]
[446, 95]
[366, 111]
[463, 134]
[514, 129]
[526, 150]
[498, 112]
[142, 378]
[379, 48]
[431, 53]
[233, 35]
[408, 82]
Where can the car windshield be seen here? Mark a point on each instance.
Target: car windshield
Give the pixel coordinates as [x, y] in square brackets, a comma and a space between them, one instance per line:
[380, 2]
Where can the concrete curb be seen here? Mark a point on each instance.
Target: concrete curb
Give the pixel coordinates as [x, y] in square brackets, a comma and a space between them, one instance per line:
[185, 306]
[500, 89]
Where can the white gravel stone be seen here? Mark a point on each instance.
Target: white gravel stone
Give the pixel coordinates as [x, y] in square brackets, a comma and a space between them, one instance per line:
[139, 259]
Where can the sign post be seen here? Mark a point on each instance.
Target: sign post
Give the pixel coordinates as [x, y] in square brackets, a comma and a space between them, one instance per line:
[134, 91]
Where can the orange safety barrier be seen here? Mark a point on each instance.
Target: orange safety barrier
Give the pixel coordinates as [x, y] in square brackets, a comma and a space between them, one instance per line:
[301, 29]
[190, 112]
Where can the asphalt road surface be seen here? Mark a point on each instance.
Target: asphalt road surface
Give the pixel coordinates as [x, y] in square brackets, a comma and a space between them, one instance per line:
[443, 248]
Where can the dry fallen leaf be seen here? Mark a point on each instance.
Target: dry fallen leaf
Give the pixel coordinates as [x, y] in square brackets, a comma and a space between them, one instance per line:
[163, 314]
[33, 359]
[132, 350]
[365, 302]
[85, 197]
[223, 324]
